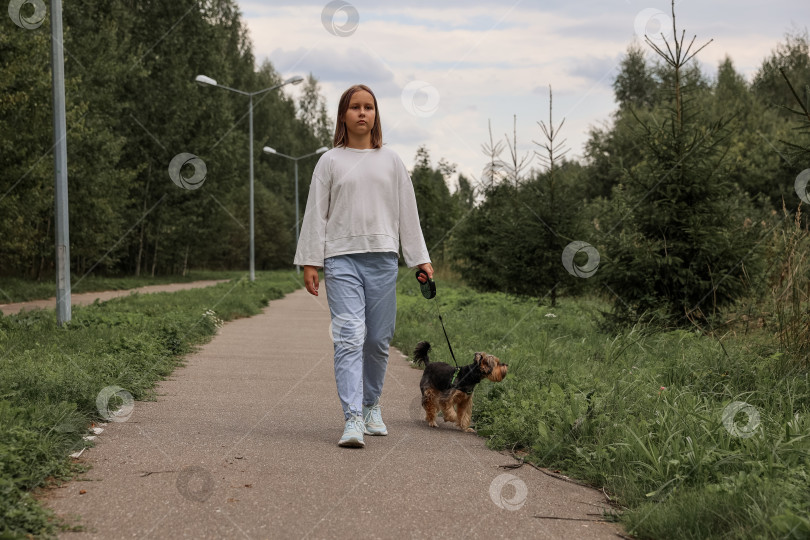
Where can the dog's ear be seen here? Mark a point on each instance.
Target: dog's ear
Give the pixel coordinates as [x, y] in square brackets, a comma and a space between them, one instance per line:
[483, 363]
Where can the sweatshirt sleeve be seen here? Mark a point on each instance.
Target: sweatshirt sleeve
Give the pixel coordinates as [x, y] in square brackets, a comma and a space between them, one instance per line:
[312, 239]
[414, 250]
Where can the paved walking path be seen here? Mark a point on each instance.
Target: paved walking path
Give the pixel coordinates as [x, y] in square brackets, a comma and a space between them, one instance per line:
[83, 299]
[242, 443]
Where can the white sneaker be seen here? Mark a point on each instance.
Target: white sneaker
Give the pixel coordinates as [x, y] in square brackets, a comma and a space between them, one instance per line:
[353, 433]
[373, 422]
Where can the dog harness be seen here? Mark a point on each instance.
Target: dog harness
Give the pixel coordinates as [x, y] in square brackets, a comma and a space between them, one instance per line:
[453, 382]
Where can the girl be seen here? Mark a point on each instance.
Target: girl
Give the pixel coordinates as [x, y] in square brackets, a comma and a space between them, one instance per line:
[361, 206]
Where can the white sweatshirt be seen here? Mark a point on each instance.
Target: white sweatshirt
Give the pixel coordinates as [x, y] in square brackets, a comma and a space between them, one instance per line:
[360, 201]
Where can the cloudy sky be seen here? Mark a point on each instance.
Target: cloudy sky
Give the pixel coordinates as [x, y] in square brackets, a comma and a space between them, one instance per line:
[442, 70]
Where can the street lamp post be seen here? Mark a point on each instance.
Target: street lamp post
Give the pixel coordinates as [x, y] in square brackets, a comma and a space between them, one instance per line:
[321, 150]
[203, 80]
[61, 225]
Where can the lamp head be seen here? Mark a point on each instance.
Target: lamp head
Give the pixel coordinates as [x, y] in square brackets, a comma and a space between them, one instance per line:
[205, 81]
[268, 150]
[321, 150]
[294, 80]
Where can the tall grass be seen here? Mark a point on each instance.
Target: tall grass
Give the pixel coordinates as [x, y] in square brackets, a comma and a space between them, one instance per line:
[646, 414]
[50, 377]
[790, 286]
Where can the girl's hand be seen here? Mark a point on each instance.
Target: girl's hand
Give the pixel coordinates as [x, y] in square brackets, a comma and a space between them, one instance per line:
[311, 279]
[427, 268]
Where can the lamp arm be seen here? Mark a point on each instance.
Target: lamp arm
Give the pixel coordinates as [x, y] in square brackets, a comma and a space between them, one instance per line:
[232, 89]
[267, 89]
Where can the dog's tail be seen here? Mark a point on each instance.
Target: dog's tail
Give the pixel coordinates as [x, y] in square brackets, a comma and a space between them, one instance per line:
[420, 353]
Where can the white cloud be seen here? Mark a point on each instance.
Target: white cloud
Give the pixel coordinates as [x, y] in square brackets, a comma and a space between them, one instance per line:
[333, 65]
[490, 61]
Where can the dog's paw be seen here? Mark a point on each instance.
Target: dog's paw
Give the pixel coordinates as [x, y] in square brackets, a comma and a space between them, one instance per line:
[433, 424]
[469, 430]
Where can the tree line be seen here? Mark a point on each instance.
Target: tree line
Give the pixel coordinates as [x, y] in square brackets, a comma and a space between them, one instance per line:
[132, 106]
[685, 202]
[675, 199]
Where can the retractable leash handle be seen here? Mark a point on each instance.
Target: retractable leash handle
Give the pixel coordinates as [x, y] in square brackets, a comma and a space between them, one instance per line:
[426, 284]
[428, 287]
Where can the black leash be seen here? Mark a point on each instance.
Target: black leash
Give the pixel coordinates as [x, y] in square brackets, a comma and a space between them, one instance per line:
[428, 288]
[445, 336]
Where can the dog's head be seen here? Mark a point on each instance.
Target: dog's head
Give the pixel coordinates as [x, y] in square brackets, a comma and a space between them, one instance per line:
[491, 366]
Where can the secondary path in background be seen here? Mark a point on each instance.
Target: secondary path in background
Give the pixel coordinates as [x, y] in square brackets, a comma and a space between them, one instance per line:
[242, 443]
[82, 299]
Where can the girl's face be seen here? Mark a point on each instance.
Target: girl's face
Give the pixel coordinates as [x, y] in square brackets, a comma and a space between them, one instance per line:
[359, 117]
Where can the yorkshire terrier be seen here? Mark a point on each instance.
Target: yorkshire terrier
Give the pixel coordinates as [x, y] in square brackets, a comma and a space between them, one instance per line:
[450, 389]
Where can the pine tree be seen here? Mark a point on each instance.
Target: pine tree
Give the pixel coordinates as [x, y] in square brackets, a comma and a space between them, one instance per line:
[523, 225]
[551, 210]
[799, 147]
[495, 170]
[675, 233]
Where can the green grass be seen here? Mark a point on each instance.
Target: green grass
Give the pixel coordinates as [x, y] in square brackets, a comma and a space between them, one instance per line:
[14, 290]
[639, 414]
[50, 377]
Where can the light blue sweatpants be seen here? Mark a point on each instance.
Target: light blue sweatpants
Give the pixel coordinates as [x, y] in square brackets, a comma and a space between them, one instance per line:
[361, 290]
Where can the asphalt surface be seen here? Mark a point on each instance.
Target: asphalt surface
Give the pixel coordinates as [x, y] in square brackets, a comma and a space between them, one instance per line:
[242, 443]
[83, 299]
